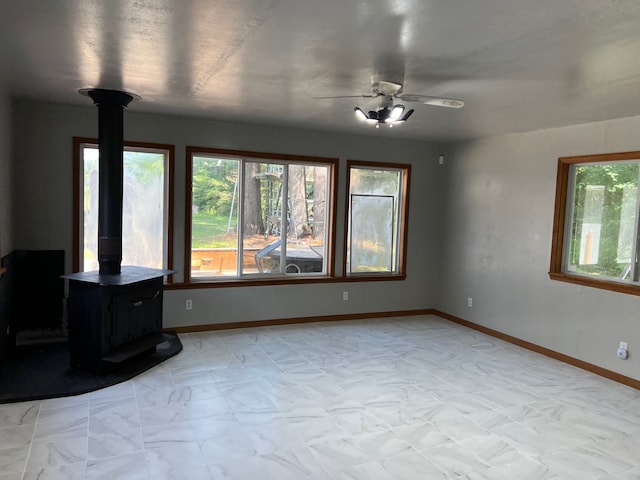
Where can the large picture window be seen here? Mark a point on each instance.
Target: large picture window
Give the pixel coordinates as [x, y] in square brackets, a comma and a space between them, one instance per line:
[596, 221]
[146, 221]
[258, 215]
[376, 218]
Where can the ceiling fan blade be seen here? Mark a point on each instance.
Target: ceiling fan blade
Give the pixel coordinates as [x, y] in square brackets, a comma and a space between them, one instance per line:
[427, 100]
[346, 96]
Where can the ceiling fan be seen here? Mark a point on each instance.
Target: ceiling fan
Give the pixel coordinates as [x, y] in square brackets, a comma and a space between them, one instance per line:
[388, 113]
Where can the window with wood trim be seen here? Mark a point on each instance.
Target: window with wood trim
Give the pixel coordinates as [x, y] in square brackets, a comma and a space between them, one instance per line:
[147, 223]
[254, 215]
[377, 218]
[596, 228]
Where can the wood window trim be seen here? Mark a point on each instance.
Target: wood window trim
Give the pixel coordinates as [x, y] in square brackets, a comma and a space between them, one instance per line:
[403, 222]
[77, 206]
[560, 219]
[190, 283]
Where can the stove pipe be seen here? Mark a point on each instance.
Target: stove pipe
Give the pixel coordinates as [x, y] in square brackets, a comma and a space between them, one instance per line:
[111, 105]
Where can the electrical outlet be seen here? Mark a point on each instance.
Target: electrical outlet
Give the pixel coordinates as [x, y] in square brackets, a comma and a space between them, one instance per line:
[345, 295]
[188, 304]
[469, 302]
[623, 353]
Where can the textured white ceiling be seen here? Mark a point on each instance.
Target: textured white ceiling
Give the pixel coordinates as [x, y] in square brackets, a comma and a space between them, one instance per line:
[518, 64]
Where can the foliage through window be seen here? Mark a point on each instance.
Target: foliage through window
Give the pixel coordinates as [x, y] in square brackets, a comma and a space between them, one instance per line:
[376, 218]
[145, 219]
[257, 214]
[596, 226]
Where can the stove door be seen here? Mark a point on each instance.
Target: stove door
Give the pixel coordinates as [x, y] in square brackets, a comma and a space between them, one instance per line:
[135, 314]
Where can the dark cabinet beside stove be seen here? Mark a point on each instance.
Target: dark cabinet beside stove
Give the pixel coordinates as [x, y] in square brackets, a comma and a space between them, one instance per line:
[114, 318]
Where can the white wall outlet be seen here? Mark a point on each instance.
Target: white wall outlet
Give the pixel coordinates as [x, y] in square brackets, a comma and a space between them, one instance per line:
[469, 302]
[345, 295]
[188, 304]
[623, 351]
[441, 160]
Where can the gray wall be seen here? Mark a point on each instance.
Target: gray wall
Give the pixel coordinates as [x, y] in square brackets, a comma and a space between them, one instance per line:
[480, 225]
[6, 168]
[497, 213]
[44, 168]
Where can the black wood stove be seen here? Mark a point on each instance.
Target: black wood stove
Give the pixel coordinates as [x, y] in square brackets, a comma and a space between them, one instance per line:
[115, 313]
[114, 317]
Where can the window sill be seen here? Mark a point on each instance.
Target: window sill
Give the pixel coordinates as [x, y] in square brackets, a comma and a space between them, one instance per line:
[627, 288]
[206, 283]
[195, 284]
[374, 277]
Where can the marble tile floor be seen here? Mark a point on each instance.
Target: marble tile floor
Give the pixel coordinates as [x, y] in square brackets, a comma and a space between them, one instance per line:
[396, 398]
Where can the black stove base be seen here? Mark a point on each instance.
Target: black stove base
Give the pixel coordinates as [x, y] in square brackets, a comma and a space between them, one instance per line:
[36, 372]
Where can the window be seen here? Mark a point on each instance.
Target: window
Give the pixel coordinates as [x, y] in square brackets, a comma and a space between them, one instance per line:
[595, 236]
[147, 196]
[378, 199]
[257, 215]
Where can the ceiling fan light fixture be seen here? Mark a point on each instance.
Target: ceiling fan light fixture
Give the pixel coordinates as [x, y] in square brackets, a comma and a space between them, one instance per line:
[384, 115]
